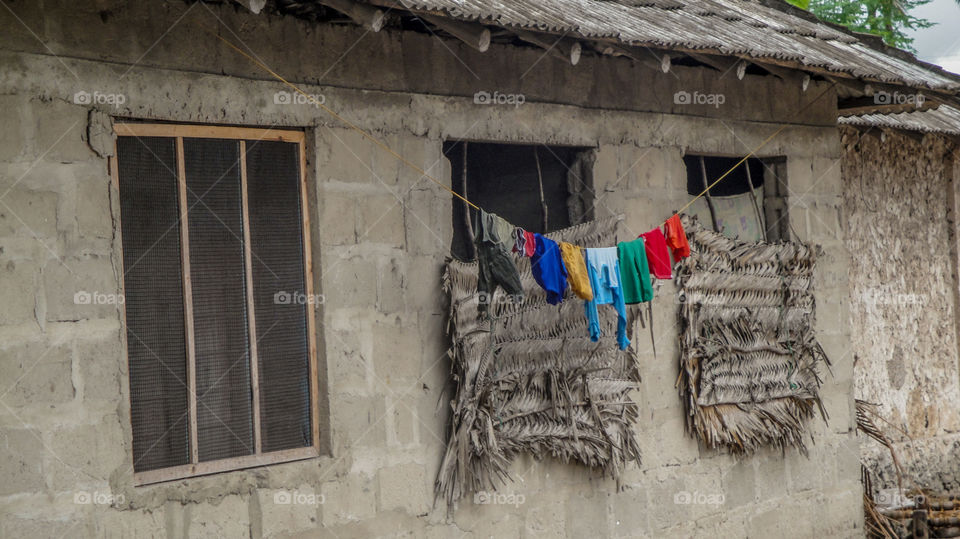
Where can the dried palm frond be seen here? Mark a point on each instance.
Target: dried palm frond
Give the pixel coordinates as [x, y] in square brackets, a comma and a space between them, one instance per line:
[749, 357]
[866, 425]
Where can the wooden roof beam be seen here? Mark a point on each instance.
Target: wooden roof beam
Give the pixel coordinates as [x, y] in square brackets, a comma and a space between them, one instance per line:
[474, 35]
[363, 14]
[566, 50]
[255, 6]
[789, 75]
[722, 64]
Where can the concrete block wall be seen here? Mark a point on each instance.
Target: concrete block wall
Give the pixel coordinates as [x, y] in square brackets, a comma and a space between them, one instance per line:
[381, 233]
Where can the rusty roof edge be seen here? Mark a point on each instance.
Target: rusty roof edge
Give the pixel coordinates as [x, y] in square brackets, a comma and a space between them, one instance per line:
[780, 5]
[944, 120]
[948, 83]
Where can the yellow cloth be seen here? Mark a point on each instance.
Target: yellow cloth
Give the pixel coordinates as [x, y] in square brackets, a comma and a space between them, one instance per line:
[576, 270]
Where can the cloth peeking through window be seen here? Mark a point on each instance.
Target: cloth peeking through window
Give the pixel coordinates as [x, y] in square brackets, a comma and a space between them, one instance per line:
[634, 271]
[576, 270]
[658, 258]
[548, 269]
[523, 242]
[604, 271]
[677, 238]
[530, 243]
[496, 267]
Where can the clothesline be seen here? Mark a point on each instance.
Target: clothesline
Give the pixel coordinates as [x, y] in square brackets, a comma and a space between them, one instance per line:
[424, 173]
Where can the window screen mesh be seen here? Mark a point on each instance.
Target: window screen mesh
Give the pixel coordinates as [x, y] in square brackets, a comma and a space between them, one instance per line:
[276, 237]
[224, 404]
[154, 302]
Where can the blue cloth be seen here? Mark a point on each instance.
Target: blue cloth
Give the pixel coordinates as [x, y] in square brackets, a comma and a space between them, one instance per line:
[548, 269]
[603, 268]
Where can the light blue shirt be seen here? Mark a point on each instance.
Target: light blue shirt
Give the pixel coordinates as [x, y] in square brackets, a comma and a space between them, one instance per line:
[603, 269]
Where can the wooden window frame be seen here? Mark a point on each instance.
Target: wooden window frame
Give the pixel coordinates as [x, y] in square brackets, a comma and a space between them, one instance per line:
[241, 134]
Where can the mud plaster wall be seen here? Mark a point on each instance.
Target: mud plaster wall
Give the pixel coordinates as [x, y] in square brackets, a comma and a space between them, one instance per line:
[380, 235]
[898, 199]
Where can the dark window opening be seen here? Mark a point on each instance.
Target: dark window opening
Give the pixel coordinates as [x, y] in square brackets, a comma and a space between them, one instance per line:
[536, 187]
[748, 204]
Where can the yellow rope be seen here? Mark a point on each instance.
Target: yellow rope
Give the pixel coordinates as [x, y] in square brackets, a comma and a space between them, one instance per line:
[389, 150]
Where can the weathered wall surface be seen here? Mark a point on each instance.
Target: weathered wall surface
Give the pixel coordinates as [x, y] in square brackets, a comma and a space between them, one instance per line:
[381, 233]
[898, 200]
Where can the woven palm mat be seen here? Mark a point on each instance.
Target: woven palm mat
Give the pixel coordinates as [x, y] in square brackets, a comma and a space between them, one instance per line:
[748, 353]
[534, 382]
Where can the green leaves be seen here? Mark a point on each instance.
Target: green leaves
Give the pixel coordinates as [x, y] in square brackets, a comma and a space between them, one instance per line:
[889, 19]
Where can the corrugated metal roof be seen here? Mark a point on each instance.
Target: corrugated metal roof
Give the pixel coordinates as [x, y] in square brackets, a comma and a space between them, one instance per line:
[731, 27]
[943, 119]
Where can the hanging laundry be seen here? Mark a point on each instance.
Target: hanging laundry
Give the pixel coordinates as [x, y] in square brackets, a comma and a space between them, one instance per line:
[677, 238]
[634, 271]
[530, 244]
[657, 255]
[548, 269]
[524, 242]
[604, 271]
[519, 239]
[576, 270]
[496, 264]
[504, 229]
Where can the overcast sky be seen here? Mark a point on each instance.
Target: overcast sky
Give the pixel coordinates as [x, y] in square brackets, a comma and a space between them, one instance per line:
[939, 44]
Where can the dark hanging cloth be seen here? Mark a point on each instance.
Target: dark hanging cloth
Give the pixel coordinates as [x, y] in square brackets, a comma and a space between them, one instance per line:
[496, 264]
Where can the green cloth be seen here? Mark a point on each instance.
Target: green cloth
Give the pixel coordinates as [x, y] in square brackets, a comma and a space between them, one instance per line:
[634, 272]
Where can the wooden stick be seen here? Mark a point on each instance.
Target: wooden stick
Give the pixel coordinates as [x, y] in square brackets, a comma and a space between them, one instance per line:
[251, 305]
[706, 185]
[543, 200]
[756, 205]
[466, 209]
[188, 303]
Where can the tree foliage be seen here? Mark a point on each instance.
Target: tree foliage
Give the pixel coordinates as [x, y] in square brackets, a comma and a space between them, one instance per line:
[889, 19]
